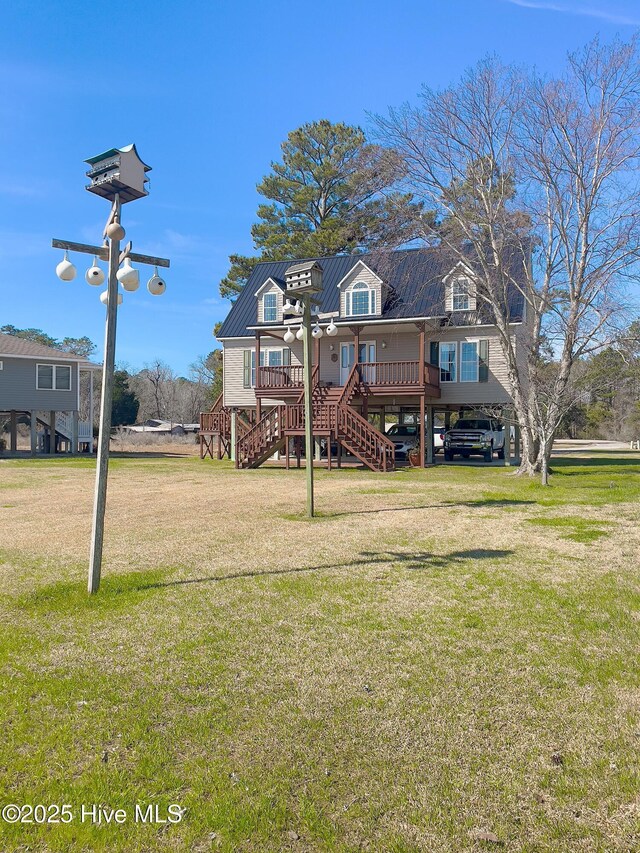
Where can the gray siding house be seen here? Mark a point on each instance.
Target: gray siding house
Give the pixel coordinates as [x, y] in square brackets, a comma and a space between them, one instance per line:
[408, 335]
[43, 385]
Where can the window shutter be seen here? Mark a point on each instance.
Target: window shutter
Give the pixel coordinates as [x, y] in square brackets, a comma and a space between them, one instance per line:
[434, 353]
[246, 374]
[286, 356]
[483, 361]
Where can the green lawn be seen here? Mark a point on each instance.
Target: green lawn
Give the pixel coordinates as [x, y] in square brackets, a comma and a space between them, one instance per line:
[444, 660]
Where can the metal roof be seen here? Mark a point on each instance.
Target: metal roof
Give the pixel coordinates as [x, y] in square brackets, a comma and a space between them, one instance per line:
[12, 345]
[414, 278]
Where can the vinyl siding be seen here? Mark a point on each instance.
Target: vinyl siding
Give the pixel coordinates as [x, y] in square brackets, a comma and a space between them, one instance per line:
[279, 302]
[400, 346]
[235, 394]
[361, 274]
[18, 387]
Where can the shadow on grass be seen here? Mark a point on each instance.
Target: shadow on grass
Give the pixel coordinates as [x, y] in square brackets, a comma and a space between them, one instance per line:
[491, 502]
[122, 590]
[411, 560]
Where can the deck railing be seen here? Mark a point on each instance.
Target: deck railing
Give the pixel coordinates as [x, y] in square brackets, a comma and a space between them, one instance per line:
[390, 372]
[280, 376]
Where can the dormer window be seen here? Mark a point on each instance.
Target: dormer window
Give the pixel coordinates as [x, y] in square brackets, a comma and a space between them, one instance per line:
[360, 299]
[270, 307]
[460, 300]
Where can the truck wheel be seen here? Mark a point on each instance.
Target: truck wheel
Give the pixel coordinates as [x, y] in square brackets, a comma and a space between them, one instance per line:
[488, 455]
[448, 456]
[501, 453]
[465, 455]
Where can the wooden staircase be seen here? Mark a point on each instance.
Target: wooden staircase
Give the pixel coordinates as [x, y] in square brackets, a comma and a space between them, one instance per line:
[332, 416]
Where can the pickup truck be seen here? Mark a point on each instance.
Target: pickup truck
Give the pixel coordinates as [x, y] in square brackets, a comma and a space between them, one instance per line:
[478, 436]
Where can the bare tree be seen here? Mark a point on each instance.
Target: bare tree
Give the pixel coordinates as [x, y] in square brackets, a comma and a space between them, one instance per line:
[536, 186]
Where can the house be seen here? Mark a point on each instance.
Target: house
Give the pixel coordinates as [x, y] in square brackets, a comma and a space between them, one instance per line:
[153, 426]
[403, 333]
[43, 385]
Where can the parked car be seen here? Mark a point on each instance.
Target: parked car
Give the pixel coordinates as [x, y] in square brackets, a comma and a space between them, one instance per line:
[404, 438]
[475, 436]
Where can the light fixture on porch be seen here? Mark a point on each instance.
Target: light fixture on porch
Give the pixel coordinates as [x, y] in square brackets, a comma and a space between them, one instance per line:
[289, 337]
[383, 344]
[65, 269]
[94, 275]
[332, 329]
[317, 331]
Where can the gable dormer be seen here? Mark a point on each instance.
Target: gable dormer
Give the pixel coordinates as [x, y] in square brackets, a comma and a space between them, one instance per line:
[361, 292]
[270, 298]
[459, 289]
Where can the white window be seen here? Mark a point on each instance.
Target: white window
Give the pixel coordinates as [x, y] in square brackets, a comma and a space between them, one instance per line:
[448, 352]
[360, 299]
[270, 307]
[53, 377]
[469, 361]
[460, 294]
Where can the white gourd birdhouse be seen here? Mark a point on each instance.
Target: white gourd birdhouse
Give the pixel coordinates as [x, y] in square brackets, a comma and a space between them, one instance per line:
[304, 278]
[118, 171]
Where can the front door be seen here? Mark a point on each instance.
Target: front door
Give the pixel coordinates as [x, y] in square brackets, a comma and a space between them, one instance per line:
[347, 352]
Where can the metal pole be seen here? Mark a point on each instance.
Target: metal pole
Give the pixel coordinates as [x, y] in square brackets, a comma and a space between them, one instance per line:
[106, 396]
[308, 409]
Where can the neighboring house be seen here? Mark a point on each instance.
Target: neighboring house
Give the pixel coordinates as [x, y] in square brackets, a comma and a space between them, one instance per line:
[42, 385]
[156, 427]
[412, 340]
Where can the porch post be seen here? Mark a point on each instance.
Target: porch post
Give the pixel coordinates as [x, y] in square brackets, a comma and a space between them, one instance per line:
[422, 442]
[421, 376]
[429, 436]
[13, 432]
[52, 432]
[258, 400]
[233, 436]
[34, 432]
[74, 431]
[382, 418]
[91, 411]
[316, 354]
[356, 344]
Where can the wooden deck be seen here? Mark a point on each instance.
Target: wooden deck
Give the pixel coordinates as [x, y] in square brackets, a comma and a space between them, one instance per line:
[376, 378]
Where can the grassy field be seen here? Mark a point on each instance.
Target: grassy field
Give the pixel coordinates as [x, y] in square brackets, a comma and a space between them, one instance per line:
[444, 660]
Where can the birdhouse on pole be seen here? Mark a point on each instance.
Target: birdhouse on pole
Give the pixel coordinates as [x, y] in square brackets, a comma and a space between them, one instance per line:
[118, 171]
[304, 278]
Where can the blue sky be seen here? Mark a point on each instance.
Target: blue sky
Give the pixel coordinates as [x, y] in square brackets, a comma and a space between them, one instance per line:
[207, 91]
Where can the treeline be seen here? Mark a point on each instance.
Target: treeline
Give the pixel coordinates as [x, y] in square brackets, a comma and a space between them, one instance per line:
[157, 392]
[606, 393]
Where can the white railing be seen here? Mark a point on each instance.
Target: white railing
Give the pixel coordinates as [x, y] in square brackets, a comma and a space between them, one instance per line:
[64, 425]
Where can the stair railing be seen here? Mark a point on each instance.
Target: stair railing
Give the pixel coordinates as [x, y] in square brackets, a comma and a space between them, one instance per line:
[377, 449]
[268, 430]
